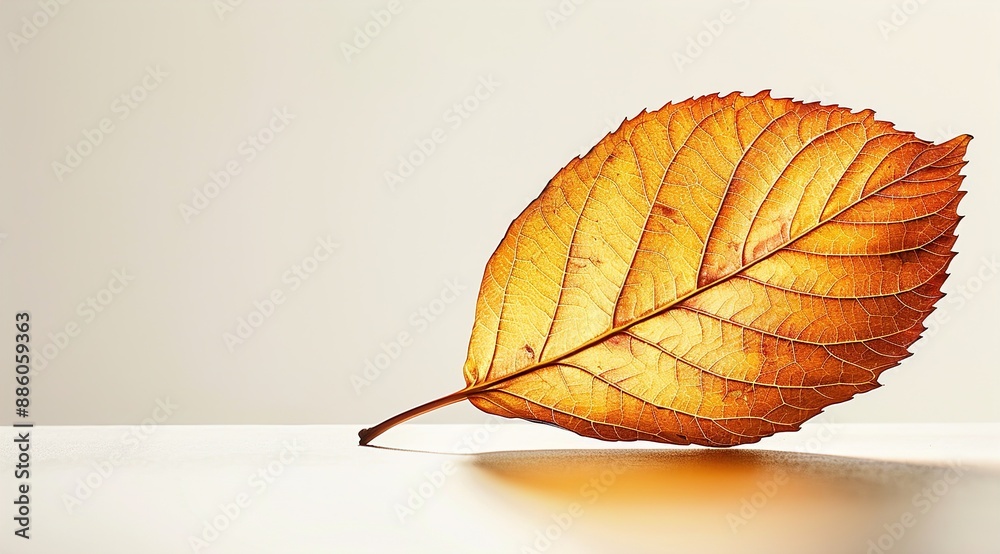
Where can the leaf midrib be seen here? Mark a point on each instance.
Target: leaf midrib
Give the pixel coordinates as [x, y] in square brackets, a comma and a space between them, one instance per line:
[487, 385]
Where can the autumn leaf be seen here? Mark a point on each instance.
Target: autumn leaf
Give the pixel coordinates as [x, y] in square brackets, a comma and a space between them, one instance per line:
[714, 272]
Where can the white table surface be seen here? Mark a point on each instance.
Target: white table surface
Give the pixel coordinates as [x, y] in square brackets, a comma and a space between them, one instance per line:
[826, 489]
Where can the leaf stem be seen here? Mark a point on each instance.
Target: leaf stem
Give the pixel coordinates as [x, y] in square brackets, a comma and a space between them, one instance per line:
[366, 435]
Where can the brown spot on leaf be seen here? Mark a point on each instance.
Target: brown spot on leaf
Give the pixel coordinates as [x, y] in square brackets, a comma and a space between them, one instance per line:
[663, 210]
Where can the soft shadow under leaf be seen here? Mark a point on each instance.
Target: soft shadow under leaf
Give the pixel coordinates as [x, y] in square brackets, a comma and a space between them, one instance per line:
[714, 500]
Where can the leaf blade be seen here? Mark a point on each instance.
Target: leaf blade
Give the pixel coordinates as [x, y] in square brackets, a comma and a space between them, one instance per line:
[574, 374]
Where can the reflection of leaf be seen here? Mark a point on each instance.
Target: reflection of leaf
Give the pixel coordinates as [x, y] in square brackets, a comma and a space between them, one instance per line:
[714, 272]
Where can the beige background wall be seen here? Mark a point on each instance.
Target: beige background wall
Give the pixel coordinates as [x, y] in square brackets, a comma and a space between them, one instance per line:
[267, 99]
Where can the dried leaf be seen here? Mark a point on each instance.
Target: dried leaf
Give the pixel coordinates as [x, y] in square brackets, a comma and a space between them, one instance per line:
[714, 272]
